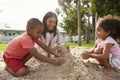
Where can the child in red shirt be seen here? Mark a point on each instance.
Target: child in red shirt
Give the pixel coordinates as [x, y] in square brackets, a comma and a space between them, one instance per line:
[21, 49]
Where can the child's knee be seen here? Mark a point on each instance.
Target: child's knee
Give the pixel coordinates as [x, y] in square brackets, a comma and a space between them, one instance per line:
[21, 72]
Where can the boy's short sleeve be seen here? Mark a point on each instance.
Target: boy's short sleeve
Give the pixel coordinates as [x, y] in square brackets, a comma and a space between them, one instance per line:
[27, 42]
[37, 41]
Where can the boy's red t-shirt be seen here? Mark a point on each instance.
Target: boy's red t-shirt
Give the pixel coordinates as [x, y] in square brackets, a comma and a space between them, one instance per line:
[19, 47]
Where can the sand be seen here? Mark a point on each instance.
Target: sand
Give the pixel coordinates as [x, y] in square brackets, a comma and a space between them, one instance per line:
[75, 68]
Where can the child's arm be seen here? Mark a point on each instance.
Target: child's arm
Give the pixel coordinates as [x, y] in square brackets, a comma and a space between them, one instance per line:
[50, 50]
[92, 50]
[105, 54]
[41, 57]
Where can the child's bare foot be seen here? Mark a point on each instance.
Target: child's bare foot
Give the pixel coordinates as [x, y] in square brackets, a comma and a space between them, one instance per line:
[26, 66]
[21, 72]
[85, 54]
[9, 70]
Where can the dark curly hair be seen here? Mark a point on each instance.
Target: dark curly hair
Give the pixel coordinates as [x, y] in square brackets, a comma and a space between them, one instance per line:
[112, 24]
[48, 15]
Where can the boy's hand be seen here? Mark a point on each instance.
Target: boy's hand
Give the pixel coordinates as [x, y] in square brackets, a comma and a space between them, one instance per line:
[58, 62]
[57, 54]
[57, 48]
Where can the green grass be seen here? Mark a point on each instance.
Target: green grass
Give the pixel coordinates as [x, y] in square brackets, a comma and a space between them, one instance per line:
[83, 43]
[88, 45]
[72, 45]
[2, 46]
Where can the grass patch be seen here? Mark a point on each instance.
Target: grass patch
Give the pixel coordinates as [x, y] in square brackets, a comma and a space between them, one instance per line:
[72, 45]
[91, 44]
[2, 46]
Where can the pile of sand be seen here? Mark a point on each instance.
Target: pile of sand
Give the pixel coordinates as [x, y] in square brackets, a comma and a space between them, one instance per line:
[73, 69]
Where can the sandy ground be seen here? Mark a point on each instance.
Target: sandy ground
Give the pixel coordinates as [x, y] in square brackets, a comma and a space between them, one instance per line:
[74, 69]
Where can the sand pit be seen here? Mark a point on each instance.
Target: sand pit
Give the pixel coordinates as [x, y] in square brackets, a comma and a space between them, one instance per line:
[74, 69]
